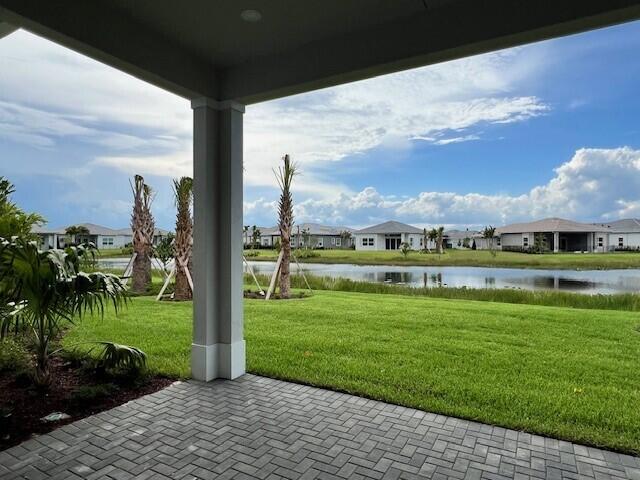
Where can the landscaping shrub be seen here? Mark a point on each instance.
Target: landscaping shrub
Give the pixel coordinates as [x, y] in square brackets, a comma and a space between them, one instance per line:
[13, 356]
[87, 394]
[306, 253]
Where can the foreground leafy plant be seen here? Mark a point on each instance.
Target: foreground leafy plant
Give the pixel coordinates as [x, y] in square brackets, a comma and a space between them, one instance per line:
[42, 292]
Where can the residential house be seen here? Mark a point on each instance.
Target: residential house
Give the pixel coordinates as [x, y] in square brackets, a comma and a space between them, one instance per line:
[558, 235]
[104, 238]
[389, 236]
[312, 235]
[623, 235]
[458, 238]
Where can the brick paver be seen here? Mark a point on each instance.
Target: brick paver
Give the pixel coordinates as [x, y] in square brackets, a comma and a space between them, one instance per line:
[258, 427]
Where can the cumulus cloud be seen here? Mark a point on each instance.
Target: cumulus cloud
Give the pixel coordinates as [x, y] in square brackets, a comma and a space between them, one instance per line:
[132, 121]
[594, 185]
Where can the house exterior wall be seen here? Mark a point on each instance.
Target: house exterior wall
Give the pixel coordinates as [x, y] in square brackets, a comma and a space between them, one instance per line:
[110, 242]
[379, 241]
[629, 240]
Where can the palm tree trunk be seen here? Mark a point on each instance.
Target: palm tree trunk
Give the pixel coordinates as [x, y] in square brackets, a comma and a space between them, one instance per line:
[141, 273]
[285, 271]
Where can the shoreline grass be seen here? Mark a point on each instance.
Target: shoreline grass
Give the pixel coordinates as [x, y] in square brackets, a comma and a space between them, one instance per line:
[567, 373]
[471, 258]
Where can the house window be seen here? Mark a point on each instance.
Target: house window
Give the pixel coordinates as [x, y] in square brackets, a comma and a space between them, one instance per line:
[367, 242]
[411, 241]
[600, 241]
[333, 240]
[265, 242]
[421, 242]
[498, 241]
[107, 241]
[525, 242]
[338, 242]
[620, 242]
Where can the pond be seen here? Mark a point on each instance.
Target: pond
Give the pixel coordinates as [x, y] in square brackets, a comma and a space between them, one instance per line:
[579, 281]
[585, 281]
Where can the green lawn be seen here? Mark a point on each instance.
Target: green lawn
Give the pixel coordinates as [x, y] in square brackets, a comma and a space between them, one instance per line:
[474, 258]
[562, 372]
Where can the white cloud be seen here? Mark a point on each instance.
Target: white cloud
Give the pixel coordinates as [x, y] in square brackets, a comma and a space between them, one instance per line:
[594, 185]
[53, 93]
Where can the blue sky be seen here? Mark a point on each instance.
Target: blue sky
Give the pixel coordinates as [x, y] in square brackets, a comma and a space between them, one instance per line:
[549, 129]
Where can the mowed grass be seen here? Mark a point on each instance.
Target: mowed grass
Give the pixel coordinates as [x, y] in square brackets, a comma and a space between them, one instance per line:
[566, 373]
[471, 258]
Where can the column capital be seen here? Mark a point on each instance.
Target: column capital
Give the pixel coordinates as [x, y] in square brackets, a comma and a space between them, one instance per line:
[216, 105]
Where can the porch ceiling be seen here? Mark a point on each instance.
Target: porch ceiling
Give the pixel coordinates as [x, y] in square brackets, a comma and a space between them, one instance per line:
[203, 48]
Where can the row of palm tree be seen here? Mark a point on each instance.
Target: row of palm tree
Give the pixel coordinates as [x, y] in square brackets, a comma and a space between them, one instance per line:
[435, 235]
[143, 228]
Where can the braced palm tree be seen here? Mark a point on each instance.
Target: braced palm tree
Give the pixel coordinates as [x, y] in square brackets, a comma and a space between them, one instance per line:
[143, 227]
[183, 245]
[284, 176]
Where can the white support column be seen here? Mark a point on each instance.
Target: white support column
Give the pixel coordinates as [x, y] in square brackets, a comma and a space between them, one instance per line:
[556, 242]
[218, 349]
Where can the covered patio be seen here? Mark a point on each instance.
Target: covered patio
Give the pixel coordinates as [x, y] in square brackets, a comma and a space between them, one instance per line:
[257, 427]
[223, 56]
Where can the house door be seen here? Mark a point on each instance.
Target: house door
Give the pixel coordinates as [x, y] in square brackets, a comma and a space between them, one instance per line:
[392, 243]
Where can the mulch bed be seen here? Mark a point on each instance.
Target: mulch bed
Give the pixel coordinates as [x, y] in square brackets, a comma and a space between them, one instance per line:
[26, 405]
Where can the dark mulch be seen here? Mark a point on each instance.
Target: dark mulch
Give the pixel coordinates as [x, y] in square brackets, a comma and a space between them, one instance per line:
[22, 406]
[274, 296]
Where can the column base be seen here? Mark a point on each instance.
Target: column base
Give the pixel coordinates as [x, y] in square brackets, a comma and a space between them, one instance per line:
[220, 360]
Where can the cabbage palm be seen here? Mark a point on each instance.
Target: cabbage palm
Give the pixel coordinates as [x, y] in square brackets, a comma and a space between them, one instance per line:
[143, 228]
[284, 177]
[46, 291]
[432, 235]
[183, 246]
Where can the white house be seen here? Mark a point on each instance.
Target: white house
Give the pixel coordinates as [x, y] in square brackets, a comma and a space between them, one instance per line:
[388, 236]
[558, 235]
[623, 235]
[104, 238]
[313, 234]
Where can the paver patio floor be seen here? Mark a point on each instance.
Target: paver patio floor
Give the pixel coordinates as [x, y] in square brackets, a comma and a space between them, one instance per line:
[257, 427]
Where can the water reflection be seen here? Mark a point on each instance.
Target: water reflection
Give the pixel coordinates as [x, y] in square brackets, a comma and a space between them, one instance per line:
[586, 281]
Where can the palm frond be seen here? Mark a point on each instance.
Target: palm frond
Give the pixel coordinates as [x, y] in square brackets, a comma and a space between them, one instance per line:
[117, 356]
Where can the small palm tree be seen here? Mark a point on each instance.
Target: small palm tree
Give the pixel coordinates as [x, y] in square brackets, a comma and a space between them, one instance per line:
[75, 232]
[489, 233]
[425, 240]
[46, 291]
[183, 191]
[440, 238]
[284, 176]
[432, 235]
[143, 228]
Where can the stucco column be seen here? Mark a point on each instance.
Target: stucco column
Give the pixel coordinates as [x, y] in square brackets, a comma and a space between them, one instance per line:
[556, 242]
[218, 349]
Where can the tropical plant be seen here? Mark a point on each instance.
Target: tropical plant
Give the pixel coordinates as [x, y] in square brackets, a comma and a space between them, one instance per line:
[466, 242]
[405, 249]
[143, 227]
[345, 238]
[183, 191]
[284, 176]
[432, 235]
[245, 236]
[306, 238]
[13, 220]
[43, 292]
[440, 238]
[163, 251]
[76, 233]
[540, 243]
[489, 233]
[425, 241]
[255, 236]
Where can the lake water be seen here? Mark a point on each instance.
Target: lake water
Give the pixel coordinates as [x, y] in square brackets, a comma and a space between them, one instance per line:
[584, 281]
